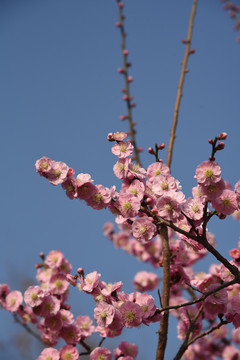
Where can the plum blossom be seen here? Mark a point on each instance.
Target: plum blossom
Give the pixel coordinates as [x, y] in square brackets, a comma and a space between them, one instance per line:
[69, 352]
[169, 205]
[100, 353]
[127, 204]
[145, 281]
[34, 296]
[226, 203]
[131, 314]
[85, 325]
[143, 229]
[49, 353]
[121, 167]
[58, 173]
[126, 349]
[208, 173]
[104, 314]
[123, 149]
[13, 300]
[156, 169]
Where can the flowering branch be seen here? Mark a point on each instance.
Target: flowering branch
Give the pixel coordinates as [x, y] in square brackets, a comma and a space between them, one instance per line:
[184, 70]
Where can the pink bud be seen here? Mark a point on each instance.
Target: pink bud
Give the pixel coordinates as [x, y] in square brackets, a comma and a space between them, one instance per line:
[71, 171]
[120, 4]
[110, 137]
[125, 52]
[42, 255]
[71, 279]
[220, 146]
[186, 70]
[151, 151]
[80, 271]
[192, 51]
[118, 24]
[133, 105]
[155, 211]
[123, 117]
[125, 97]
[130, 79]
[120, 70]
[210, 141]
[222, 136]
[65, 306]
[129, 64]
[140, 149]
[185, 41]
[124, 90]
[161, 146]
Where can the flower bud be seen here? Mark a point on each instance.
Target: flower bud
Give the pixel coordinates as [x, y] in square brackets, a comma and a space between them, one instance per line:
[118, 24]
[123, 117]
[151, 151]
[125, 52]
[121, 4]
[210, 141]
[130, 79]
[140, 149]
[192, 51]
[161, 146]
[222, 136]
[220, 146]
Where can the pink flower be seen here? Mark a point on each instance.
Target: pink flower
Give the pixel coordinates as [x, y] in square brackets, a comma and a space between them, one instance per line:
[90, 282]
[123, 149]
[237, 191]
[49, 354]
[101, 198]
[193, 209]
[117, 136]
[44, 166]
[212, 191]
[13, 300]
[131, 314]
[4, 290]
[54, 259]
[85, 325]
[34, 296]
[164, 183]
[136, 188]
[143, 229]
[69, 352]
[208, 173]
[70, 185]
[104, 314]
[58, 284]
[100, 353]
[156, 169]
[54, 322]
[70, 334]
[121, 167]
[126, 349]
[145, 281]
[135, 171]
[128, 205]
[49, 306]
[67, 317]
[169, 205]
[226, 203]
[58, 173]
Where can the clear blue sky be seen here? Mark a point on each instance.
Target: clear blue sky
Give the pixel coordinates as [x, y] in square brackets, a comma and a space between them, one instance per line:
[60, 95]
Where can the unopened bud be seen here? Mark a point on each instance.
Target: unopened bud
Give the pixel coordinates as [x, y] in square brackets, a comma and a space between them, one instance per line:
[123, 117]
[186, 71]
[129, 64]
[210, 141]
[155, 211]
[133, 105]
[120, 70]
[130, 79]
[222, 136]
[140, 149]
[220, 146]
[151, 151]
[185, 41]
[118, 24]
[42, 255]
[125, 52]
[125, 97]
[110, 137]
[192, 51]
[221, 215]
[80, 271]
[71, 279]
[121, 4]
[161, 146]
[71, 171]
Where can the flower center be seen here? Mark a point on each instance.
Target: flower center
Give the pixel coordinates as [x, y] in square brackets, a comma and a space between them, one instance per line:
[208, 173]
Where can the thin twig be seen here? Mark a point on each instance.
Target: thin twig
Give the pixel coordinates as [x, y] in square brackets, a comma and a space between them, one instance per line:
[180, 85]
[127, 88]
[28, 329]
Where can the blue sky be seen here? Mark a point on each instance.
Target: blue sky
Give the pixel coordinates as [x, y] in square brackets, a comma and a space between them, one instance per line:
[60, 95]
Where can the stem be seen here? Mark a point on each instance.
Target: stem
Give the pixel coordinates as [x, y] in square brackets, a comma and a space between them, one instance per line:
[163, 330]
[127, 87]
[180, 85]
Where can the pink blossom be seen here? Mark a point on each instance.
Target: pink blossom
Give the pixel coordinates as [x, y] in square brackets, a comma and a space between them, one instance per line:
[50, 306]
[236, 335]
[121, 167]
[4, 290]
[230, 352]
[136, 188]
[54, 259]
[13, 300]
[54, 322]
[69, 352]
[237, 191]
[101, 198]
[126, 349]
[67, 317]
[123, 149]
[193, 209]
[58, 173]
[164, 183]
[83, 179]
[127, 204]
[117, 136]
[90, 282]
[70, 334]
[44, 166]
[143, 229]
[147, 304]
[156, 169]
[169, 205]
[49, 354]
[131, 314]
[208, 173]
[86, 190]
[135, 171]
[226, 203]
[100, 353]
[145, 281]
[104, 314]
[85, 325]
[59, 284]
[70, 185]
[212, 191]
[34, 296]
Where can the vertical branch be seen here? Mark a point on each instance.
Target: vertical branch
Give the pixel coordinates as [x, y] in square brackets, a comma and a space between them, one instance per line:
[180, 85]
[163, 330]
[127, 80]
